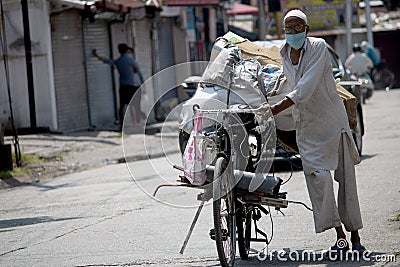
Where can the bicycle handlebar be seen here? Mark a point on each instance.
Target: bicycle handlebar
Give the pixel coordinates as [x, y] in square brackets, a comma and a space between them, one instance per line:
[236, 110]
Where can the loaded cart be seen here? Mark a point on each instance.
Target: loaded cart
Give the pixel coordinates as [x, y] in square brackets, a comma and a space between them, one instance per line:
[228, 138]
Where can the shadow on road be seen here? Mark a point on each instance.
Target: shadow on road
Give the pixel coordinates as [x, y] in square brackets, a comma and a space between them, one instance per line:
[4, 224]
[315, 258]
[13, 182]
[287, 164]
[363, 157]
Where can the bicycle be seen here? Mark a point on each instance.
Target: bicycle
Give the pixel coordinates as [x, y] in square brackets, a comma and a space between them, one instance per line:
[239, 140]
[235, 208]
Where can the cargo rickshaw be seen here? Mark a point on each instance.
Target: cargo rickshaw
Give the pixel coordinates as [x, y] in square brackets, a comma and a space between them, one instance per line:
[228, 139]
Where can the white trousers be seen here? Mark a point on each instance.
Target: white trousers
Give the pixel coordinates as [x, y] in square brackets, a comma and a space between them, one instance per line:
[320, 188]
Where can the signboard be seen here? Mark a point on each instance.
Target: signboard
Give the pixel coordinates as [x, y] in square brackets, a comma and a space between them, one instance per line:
[190, 28]
[190, 2]
[323, 14]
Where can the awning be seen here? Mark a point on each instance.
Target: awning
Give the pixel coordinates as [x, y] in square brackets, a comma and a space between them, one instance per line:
[190, 2]
[73, 3]
[241, 9]
[122, 5]
[114, 5]
[126, 3]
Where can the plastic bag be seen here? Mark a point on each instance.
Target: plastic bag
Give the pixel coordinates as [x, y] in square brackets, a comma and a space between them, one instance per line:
[194, 164]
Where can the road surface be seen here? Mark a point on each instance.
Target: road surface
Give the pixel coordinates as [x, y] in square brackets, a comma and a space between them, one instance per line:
[105, 217]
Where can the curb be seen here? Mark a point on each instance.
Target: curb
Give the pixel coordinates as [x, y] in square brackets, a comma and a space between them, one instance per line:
[133, 158]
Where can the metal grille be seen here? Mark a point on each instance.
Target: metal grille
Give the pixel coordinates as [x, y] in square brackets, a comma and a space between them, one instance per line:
[99, 78]
[69, 72]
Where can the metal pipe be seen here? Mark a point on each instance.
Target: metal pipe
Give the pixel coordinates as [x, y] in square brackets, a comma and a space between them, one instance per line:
[367, 13]
[262, 29]
[28, 59]
[196, 217]
[114, 89]
[348, 27]
[91, 126]
[243, 180]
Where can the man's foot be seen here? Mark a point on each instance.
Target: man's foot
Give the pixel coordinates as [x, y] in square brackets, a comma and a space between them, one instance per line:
[359, 248]
[340, 245]
[339, 250]
[356, 242]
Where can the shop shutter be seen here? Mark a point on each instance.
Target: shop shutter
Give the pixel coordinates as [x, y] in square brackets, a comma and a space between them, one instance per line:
[166, 56]
[102, 104]
[69, 72]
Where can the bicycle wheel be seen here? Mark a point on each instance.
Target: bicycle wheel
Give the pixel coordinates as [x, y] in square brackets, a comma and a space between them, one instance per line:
[357, 134]
[383, 78]
[243, 224]
[388, 78]
[224, 214]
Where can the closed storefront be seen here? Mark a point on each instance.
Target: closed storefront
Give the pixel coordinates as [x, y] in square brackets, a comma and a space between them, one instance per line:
[165, 93]
[100, 88]
[143, 53]
[69, 71]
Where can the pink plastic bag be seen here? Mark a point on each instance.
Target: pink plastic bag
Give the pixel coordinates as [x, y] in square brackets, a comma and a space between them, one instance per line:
[193, 157]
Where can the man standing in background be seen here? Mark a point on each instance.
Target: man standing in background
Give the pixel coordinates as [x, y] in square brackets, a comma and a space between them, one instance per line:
[274, 7]
[358, 62]
[130, 79]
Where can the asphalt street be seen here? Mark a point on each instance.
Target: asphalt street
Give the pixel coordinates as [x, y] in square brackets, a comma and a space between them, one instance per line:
[106, 216]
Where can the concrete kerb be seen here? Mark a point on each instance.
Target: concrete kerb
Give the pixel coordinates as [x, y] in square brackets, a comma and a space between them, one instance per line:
[102, 146]
[163, 140]
[133, 158]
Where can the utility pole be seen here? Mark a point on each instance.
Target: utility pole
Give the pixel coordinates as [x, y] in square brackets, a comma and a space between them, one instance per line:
[28, 59]
[349, 23]
[262, 28]
[367, 13]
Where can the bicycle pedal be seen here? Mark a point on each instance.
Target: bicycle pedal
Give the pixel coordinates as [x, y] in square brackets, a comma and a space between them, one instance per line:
[224, 234]
[212, 234]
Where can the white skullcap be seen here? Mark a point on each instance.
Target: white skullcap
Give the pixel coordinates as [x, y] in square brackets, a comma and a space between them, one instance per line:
[296, 13]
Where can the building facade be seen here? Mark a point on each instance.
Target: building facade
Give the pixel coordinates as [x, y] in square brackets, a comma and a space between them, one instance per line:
[72, 90]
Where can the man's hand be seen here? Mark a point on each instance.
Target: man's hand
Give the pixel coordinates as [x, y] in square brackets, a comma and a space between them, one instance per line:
[274, 110]
[281, 106]
[94, 53]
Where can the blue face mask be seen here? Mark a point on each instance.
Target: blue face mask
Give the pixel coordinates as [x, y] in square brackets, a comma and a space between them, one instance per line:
[296, 40]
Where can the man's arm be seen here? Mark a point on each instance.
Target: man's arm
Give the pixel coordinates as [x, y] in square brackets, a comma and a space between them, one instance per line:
[369, 63]
[94, 52]
[281, 105]
[137, 70]
[348, 62]
[140, 76]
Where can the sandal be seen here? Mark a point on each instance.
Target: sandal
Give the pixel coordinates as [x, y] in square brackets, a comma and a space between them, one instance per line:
[340, 245]
[358, 248]
[336, 248]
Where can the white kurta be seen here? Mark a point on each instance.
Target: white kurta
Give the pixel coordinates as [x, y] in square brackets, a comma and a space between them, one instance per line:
[319, 112]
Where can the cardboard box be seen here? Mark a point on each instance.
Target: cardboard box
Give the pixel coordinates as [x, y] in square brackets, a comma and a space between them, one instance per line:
[264, 55]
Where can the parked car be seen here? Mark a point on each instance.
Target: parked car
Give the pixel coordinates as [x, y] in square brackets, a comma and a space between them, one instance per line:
[175, 96]
[187, 88]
